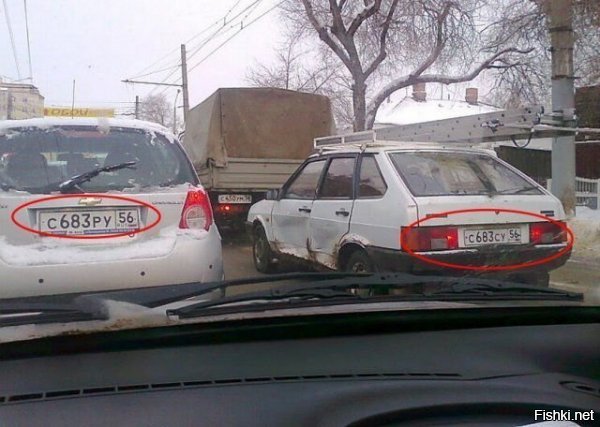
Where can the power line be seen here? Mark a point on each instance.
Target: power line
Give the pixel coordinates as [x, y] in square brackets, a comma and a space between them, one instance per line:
[250, 8]
[235, 34]
[28, 42]
[205, 30]
[12, 38]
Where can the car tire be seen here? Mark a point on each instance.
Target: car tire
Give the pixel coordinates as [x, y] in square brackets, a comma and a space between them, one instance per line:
[359, 262]
[261, 252]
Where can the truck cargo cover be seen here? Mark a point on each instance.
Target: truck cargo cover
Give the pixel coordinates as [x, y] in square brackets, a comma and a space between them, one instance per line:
[257, 123]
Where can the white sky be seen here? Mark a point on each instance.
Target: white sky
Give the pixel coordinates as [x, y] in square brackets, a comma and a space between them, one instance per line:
[101, 42]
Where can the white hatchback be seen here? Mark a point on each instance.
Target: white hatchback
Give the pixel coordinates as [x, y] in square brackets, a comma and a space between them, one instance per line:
[415, 208]
[98, 204]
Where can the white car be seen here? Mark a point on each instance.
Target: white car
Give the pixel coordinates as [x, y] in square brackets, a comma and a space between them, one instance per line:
[356, 209]
[97, 204]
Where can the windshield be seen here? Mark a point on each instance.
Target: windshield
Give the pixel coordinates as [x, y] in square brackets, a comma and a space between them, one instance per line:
[443, 174]
[37, 161]
[321, 154]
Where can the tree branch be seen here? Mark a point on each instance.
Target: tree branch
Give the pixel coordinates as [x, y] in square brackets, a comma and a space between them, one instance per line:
[324, 34]
[382, 40]
[362, 16]
[440, 42]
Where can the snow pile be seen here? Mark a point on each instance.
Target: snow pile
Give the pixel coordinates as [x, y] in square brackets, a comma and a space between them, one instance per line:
[409, 111]
[586, 227]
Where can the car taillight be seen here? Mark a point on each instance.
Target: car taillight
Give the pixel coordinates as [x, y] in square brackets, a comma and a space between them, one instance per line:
[197, 212]
[430, 238]
[546, 232]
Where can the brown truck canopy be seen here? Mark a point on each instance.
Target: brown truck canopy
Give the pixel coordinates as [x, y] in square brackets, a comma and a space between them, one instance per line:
[256, 123]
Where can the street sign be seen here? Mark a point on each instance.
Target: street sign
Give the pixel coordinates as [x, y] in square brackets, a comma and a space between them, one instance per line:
[78, 112]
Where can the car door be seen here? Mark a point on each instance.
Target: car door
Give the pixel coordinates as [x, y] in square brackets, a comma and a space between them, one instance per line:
[291, 214]
[332, 209]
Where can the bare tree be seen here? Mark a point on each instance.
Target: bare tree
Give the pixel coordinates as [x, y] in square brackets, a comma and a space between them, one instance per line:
[156, 108]
[387, 45]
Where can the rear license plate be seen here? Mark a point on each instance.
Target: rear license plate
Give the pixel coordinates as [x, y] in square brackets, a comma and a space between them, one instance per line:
[235, 198]
[494, 236]
[92, 221]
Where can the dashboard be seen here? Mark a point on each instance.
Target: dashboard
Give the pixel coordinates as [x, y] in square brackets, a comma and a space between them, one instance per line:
[323, 371]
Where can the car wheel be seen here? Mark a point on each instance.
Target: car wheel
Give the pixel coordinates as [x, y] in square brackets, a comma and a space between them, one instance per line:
[262, 253]
[359, 262]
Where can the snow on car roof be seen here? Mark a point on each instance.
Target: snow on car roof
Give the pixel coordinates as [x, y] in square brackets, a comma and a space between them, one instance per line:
[379, 146]
[102, 122]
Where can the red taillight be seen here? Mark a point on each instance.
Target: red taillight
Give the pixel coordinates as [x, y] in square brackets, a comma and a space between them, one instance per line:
[196, 213]
[430, 238]
[546, 232]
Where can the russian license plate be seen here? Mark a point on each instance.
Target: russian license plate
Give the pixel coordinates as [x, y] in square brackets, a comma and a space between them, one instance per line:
[89, 221]
[235, 198]
[494, 236]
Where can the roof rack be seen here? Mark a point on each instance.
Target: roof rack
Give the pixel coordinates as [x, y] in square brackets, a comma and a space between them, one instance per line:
[503, 125]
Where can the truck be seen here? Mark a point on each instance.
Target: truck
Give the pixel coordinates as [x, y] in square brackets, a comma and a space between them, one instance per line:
[245, 141]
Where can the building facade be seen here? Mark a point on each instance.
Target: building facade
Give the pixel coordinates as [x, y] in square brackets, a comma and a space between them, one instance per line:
[20, 101]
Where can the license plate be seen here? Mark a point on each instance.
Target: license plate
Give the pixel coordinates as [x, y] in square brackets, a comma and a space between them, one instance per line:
[89, 221]
[494, 236]
[235, 198]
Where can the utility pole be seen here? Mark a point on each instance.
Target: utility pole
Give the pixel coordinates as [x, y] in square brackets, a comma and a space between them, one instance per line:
[137, 107]
[73, 100]
[560, 19]
[184, 84]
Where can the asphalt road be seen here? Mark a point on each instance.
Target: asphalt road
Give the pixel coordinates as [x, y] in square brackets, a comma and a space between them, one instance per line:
[578, 275]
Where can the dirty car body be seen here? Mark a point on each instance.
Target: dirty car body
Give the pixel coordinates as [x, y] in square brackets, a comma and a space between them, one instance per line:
[93, 204]
[374, 209]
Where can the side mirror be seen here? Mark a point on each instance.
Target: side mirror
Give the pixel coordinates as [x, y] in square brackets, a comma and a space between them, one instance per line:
[273, 194]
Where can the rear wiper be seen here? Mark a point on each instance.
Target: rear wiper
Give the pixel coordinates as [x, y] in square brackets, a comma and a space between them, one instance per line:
[27, 313]
[87, 176]
[414, 288]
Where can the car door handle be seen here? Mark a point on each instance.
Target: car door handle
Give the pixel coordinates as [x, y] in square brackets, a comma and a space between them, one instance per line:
[304, 209]
[342, 212]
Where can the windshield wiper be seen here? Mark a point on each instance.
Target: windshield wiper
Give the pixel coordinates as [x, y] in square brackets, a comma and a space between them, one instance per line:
[414, 288]
[27, 313]
[87, 176]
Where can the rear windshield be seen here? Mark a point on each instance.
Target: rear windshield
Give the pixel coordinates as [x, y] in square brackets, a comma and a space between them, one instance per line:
[37, 160]
[442, 174]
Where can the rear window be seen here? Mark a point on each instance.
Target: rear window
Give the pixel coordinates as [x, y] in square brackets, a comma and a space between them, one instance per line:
[442, 174]
[37, 161]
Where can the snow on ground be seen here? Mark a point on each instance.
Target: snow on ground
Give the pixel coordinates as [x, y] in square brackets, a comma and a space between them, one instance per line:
[586, 227]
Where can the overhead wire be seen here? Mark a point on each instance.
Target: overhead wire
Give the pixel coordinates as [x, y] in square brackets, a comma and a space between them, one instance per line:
[235, 34]
[204, 31]
[28, 41]
[249, 9]
[12, 38]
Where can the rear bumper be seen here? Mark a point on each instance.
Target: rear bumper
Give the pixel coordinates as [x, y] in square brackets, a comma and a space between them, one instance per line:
[396, 260]
[192, 259]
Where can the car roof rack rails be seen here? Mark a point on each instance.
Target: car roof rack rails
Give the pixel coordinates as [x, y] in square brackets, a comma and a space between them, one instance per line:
[503, 125]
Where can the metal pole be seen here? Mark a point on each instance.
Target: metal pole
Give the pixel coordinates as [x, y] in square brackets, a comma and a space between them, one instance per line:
[563, 100]
[137, 107]
[184, 84]
[175, 112]
[73, 100]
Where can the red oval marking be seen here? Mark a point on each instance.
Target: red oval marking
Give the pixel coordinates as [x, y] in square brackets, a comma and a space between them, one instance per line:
[563, 226]
[80, 196]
